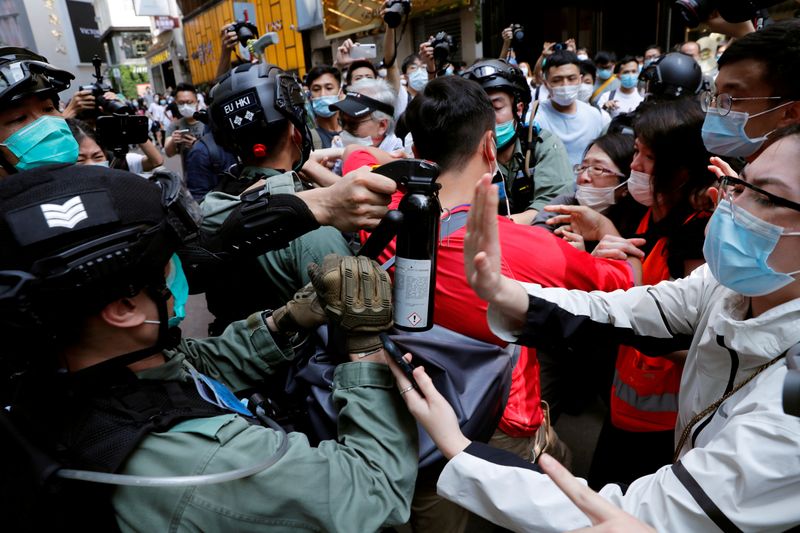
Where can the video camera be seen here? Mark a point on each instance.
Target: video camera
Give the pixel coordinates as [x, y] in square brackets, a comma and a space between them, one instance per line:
[245, 31]
[443, 45]
[117, 127]
[693, 12]
[99, 88]
[517, 33]
[395, 11]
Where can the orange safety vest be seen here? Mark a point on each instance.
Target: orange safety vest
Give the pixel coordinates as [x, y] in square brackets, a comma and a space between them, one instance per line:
[644, 393]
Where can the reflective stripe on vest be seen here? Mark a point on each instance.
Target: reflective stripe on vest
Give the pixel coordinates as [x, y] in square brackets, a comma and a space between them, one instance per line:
[652, 403]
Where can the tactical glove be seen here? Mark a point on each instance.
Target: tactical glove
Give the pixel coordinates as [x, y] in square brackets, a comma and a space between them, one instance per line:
[357, 296]
[304, 311]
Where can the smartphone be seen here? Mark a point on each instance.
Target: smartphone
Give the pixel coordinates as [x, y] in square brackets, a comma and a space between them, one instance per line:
[181, 131]
[397, 356]
[363, 51]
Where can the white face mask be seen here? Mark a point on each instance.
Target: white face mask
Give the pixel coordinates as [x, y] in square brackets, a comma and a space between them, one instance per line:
[639, 187]
[187, 110]
[597, 198]
[583, 57]
[565, 95]
[585, 92]
[524, 71]
[348, 138]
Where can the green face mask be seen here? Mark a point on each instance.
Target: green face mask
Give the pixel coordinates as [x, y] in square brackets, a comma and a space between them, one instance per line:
[505, 133]
[44, 141]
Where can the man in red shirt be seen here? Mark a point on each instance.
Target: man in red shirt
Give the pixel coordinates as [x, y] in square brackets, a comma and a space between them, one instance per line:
[453, 124]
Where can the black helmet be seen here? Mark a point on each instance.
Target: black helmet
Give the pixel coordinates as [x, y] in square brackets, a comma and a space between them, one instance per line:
[497, 74]
[23, 73]
[250, 107]
[75, 237]
[672, 76]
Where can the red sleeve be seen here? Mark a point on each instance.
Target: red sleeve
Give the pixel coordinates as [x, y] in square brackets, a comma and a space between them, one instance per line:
[358, 159]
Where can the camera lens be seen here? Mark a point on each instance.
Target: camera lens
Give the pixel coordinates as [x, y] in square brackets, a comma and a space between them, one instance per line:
[114, 107]
[693, 12]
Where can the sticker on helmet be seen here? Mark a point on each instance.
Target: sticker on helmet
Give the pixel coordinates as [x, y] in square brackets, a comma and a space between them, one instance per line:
[242, 110]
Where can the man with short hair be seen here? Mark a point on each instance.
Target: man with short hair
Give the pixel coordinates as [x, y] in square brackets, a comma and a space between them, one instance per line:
[454, 125]
[627, 97]
[32, 130]
[691, 49]
[534, 170]
[651, 53]
[606, 80]
[181, 135]
[110, 388]
[576, 123]
[324, 82]
[756, 92]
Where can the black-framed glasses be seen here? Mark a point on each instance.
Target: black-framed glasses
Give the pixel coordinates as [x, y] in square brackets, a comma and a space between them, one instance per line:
[596, 171]
[352, 125]
[723, 102]
[734, 187]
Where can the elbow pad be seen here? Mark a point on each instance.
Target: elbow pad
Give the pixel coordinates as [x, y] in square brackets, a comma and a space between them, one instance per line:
[264, 222]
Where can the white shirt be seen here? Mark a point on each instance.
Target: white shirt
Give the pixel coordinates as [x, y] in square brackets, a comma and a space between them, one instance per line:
[575, 130]
[626, 102]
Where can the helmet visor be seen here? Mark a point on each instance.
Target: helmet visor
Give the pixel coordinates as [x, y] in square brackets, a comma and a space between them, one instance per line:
[21, 78]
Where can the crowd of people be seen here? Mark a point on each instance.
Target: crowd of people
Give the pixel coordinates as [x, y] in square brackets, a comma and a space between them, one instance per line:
[625, 227]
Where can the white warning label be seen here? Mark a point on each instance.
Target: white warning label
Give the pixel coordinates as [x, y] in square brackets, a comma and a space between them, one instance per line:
[412, 278]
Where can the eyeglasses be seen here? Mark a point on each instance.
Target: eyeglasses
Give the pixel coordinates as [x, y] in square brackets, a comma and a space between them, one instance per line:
[735, 187]
[596, 171]
[352, 125]
[723, 102]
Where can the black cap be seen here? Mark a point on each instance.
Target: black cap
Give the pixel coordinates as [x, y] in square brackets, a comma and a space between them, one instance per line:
[358, 105]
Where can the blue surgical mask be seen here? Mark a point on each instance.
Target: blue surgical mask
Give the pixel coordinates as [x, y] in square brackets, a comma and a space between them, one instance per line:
[629, 81]
[418, 79]
[321, 103]
[44, 141]
[737, 250]
[179, 287]
[604, 73]
[725, 135]
[505, 133]
[449, 71]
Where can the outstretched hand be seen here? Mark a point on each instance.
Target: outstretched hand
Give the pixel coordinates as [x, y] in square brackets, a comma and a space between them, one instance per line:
[605, 516]
[590, 224]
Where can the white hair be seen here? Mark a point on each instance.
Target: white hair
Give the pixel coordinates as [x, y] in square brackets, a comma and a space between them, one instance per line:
[377, 89]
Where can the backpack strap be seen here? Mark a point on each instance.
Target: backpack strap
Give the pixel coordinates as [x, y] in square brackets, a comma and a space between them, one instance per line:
[448, 226]
[534, 136]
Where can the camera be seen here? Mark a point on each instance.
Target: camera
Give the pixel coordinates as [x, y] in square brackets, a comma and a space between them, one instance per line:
[245, 31]
[98, 89]
[693, 12]
[395, 11]
[517, 33]
[443, 45]
[118, 131]
[559, 47]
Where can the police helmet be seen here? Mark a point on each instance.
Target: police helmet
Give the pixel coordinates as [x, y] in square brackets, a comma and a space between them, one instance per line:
[672, 76]
[23, 73]
[75, 237]
[250, 107]
[497, 74]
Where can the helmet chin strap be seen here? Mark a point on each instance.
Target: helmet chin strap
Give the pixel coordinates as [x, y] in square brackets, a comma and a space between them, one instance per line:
[168, 338]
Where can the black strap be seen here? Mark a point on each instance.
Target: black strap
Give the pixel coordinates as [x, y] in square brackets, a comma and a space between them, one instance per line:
[448, 226]
[702, 499]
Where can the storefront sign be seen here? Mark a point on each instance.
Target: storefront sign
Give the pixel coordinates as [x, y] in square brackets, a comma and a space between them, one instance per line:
[85, 30]
[166, 23]
[161, 57]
